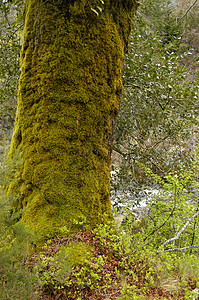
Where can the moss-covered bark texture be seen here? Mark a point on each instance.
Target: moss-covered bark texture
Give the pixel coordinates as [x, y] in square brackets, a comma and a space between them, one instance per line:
[69, 91]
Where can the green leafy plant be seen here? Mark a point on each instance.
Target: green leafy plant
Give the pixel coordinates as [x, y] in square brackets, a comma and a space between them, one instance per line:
[10, 37]
[173, 215]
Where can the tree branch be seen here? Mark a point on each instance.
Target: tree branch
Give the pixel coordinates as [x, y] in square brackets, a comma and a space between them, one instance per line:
[194, 228]
[189, 9]
[179, 249]
[158, 228]
[180, 231]
[119, 152]
[145, 17]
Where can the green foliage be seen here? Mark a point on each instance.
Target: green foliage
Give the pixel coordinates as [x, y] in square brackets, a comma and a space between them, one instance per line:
[189, 13]
[159, 109]
[52, 271]
[161, 18]
[10, 36]
[109, 263]
[17, 281]
[78, 253]
[94, 272]
[168, 232]
[168, 213]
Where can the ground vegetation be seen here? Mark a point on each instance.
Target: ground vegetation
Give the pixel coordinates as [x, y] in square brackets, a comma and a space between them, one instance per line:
[147, 255]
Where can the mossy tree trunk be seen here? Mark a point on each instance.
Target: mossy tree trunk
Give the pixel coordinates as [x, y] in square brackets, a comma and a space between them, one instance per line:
[68, 99]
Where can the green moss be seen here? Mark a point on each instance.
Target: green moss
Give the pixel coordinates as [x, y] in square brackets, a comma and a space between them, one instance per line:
[68, 98]
[77, 253]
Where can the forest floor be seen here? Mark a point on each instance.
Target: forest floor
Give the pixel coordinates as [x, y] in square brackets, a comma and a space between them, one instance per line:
[116, 271]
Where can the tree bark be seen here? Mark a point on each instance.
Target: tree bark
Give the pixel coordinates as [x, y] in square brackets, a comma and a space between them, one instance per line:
[69, 96]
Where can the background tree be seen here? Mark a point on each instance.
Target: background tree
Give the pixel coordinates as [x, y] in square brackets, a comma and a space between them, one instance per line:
[161, 18]
[10, 24]
[158, 120]
[187, 12]
[69, 91]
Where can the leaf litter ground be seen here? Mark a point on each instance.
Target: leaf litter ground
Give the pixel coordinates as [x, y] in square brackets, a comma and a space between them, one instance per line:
[121, 272]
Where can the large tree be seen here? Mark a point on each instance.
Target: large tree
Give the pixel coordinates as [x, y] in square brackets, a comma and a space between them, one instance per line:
[69, 96]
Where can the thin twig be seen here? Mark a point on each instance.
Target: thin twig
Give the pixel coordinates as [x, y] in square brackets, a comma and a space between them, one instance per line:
[158, 228]
[119, 152]
[145, 17]
[189, 9]
[179, 249]
[104, 295]
[158, 142]
[194, 228]
[180, 231]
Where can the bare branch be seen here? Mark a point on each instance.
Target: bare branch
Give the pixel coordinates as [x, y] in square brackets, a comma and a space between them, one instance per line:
[158, 142]
[178, 233]
[158, 228]
[145, 17]
[189, 9]
[119, 152]
[105, 295]
[179, 249]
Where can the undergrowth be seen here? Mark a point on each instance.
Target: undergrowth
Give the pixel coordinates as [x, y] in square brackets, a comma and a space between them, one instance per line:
[93, 265]
[152, 258]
